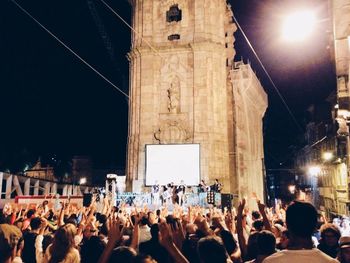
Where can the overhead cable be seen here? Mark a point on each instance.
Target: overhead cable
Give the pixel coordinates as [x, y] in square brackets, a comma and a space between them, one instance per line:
[67, 47]
[250, 45]
[268, 76]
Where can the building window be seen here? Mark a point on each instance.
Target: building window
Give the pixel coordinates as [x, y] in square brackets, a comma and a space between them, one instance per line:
[174, 37]
[174, 14]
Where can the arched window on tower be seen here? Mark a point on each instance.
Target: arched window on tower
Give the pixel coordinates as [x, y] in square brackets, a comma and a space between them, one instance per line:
[174, 14]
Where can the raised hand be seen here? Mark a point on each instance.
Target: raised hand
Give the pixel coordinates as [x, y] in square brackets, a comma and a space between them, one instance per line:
[178, 232]
[167, 241]
[114, 230]
[165, 235]
[241, 207]
[44, 224]
[202, 225]
[261, 206]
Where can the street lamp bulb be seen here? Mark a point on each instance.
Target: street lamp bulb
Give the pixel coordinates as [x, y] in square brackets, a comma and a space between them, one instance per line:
[82, 180]
[291, 189]
[327, 156]
[314, 170]
[298, 26]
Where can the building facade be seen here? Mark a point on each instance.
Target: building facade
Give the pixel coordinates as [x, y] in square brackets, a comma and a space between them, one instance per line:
[322, 164]
[181, 87]
[249, 106]
[329, 186]
[40, 172]
[341, 33]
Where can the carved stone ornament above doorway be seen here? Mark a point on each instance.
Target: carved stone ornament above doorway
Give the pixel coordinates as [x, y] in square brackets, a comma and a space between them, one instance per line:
[172, 131]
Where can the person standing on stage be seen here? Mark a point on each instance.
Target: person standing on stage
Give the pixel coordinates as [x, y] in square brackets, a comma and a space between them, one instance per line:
[173, 193]
[181, 192]
[167, 194]
[217, 186]
[202, 187]
[155, 193]
[162, 194]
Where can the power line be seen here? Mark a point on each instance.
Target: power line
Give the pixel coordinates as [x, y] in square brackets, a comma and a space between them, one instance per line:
[268, 75]
[250, 45]
[129, 26]
[67, 47]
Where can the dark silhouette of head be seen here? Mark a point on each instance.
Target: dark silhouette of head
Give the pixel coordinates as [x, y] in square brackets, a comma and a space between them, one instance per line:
[35, 223]
[330, 235]
[123, 254]
[258, 225]
[301, 219]
[266, 243]
[211, 249]
[30, 213]
[154, 231]
[256, 215]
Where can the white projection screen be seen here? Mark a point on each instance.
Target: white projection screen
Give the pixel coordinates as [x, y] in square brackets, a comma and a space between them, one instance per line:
[172, 163]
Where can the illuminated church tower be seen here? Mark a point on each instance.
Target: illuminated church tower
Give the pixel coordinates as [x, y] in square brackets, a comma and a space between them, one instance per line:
[180, 87]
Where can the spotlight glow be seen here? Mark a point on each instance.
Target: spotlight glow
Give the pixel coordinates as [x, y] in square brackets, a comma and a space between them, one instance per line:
[298, 26]
[327, 156]
[314, 170]
[82, 180]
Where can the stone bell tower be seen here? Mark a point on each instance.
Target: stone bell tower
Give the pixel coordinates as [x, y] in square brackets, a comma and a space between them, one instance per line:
[179, 66]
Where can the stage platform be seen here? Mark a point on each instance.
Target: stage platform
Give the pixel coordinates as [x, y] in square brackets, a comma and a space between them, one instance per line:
[201, 199]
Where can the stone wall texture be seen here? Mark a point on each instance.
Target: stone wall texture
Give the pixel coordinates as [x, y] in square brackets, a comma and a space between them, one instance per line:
[183, 90]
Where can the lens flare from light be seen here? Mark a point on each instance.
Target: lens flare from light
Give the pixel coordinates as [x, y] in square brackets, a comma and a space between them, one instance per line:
[298, 26]
[82, 180]
[327, 156]
[314, 170]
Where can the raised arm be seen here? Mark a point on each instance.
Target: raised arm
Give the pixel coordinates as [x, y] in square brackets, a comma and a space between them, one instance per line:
[241, 238]
[166, 240]
[262, 211]
[114, 235]
[136, 232]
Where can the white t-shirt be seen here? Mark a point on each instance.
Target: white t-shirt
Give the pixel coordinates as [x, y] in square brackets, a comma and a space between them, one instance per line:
[300, 256]
[144, 234]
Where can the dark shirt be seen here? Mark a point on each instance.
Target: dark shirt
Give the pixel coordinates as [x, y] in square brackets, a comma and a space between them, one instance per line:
[229, 241]
[28, 254]
[155, 250]
[330, 251]
[181, 188]
[202, 188]
[91, 249]
[155, 188]
[189, 249]
[217, 187]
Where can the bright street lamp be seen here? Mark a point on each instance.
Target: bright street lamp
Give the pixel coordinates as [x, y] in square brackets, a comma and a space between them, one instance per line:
[82, 180]
[327, 156]
[298, 26]
[314, 170]
[292, 188]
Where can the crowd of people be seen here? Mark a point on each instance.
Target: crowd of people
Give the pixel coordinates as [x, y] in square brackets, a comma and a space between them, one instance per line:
[125, 234]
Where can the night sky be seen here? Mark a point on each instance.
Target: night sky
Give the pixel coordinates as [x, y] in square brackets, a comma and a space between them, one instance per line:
[53, 105]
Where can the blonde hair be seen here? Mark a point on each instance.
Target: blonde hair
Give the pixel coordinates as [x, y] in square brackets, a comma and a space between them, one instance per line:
[62, 243]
